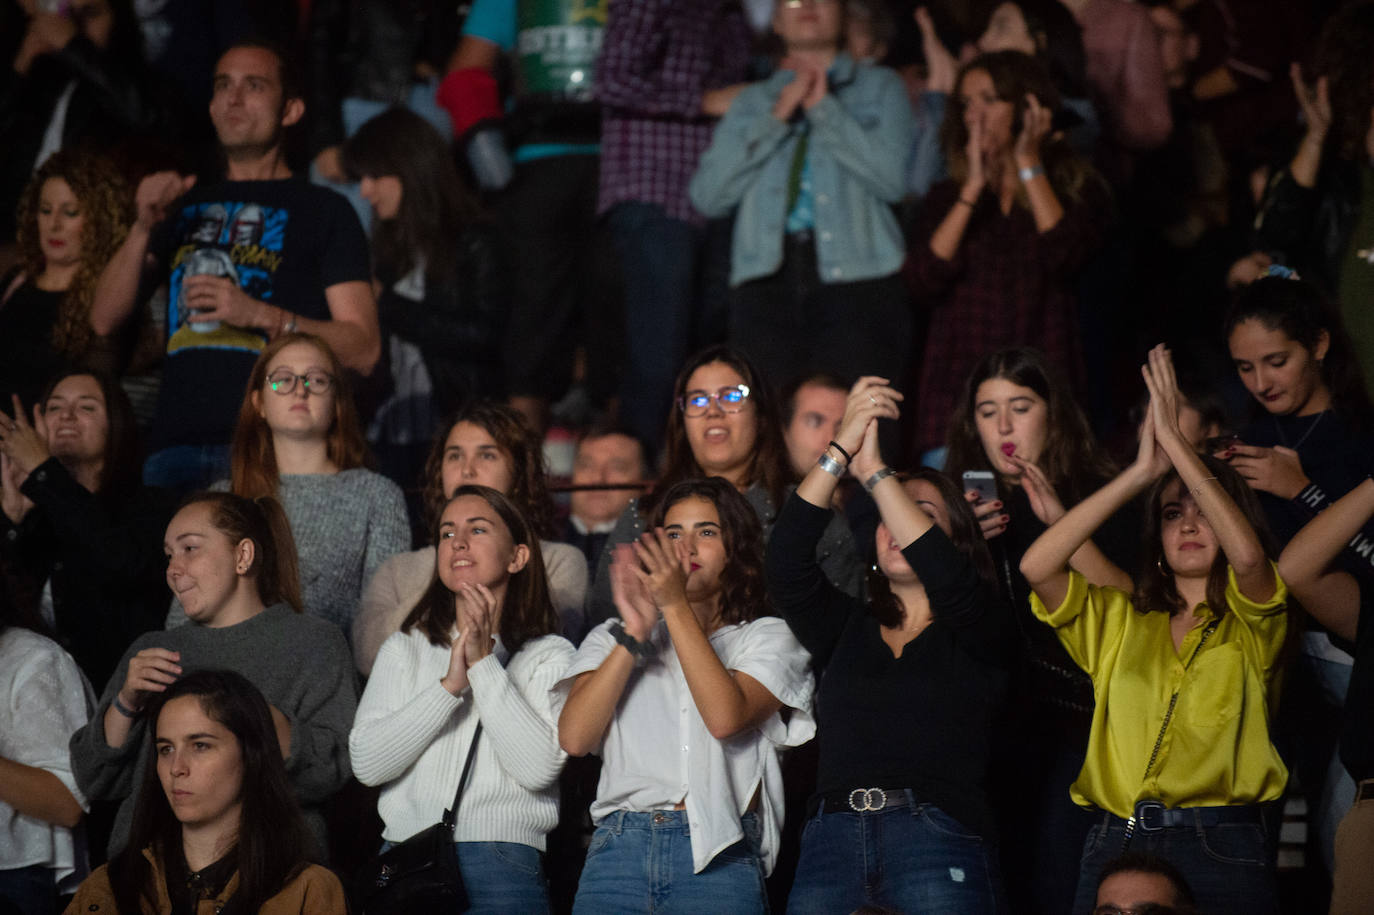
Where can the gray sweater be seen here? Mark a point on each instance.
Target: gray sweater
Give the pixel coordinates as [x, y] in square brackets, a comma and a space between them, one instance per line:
[346, 525]
[302, 666]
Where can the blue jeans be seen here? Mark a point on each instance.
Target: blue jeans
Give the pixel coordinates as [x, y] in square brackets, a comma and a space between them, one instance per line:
[1227, 865]
[916, 859]
[642, 862]
[185, 468]
[502, 878]
[658, 255]
[28, 891]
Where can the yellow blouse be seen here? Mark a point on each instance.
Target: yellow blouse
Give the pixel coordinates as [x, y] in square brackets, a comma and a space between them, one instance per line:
[1216, 750]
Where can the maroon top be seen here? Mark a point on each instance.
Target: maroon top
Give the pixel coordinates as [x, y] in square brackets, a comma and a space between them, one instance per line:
[1008, 285]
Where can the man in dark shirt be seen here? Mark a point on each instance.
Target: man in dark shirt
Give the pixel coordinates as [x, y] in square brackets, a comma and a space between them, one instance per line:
[603, 456]
[250, 257]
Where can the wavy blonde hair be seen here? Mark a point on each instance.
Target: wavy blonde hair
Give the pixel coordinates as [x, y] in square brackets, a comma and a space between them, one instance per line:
[107, 210]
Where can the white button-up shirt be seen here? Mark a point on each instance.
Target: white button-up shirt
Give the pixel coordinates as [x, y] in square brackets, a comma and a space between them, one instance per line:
[657, 751]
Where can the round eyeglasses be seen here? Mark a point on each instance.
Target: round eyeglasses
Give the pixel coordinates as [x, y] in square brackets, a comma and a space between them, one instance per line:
[730, 400]
[284, 382]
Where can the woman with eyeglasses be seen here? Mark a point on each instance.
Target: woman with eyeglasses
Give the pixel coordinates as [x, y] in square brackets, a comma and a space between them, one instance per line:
[298, 440]
[724, 423]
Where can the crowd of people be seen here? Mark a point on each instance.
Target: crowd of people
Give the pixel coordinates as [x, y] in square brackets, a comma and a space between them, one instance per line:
[969, 505]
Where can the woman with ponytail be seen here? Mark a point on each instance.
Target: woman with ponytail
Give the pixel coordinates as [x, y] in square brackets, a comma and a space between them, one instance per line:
[231, 562]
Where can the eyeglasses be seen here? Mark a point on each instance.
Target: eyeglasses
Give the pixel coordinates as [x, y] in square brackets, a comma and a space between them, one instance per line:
[798, 4]
[284, 382]
[1148, 908]
[730, 400]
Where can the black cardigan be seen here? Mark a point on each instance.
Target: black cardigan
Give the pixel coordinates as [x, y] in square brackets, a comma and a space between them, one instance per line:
[922, 721]
[104, 558]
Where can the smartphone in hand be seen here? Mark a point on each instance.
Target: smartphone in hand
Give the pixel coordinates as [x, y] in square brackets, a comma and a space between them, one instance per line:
[981, 482]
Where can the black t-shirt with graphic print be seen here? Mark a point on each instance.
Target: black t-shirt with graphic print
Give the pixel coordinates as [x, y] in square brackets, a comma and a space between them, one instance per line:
[284, 242]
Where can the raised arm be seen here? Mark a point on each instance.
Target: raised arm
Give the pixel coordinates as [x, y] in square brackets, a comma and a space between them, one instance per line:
[1235, 535]
[594, 695]
[116, 292]
[1330, 595]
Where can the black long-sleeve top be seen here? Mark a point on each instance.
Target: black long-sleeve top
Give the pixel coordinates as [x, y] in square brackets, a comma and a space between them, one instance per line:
[104, 559]
[922, 721]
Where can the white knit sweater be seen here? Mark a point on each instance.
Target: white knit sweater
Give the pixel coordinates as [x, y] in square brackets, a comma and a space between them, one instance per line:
[411, 736]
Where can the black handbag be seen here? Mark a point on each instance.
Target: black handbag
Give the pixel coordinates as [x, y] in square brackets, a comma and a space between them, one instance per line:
[420, 874]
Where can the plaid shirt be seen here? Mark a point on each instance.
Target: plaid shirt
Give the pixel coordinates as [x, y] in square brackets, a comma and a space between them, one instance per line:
[1008, 285]
[657, 58]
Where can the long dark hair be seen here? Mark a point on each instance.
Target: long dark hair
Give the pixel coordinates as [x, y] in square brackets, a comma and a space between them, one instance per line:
[1072, 459]
[743, 593]
[528, 612]
[1058, 42]
[253, 457]
[1299, 310]
[272, 844]
[1156, 590]
[435, 208]
[1014, 76]
[123, 467]
[964, 533]
[769, 464]
[276, 569]
[529, 488]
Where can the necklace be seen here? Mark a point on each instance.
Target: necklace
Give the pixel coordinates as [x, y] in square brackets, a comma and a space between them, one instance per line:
[1284, 438]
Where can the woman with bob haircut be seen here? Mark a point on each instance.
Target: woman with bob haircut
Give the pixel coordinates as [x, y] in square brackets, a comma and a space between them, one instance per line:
[479, 650]
[216, 820]
[725, 423]
[697, 658]
[232, 563]
[488, 444]
[1180, 762]
[914, 680]
[73, 215]
[1000, 243]
[297, 440]
[80, 536]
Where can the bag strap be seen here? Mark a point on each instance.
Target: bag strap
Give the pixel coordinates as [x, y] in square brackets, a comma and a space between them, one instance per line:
[451, 814]
[1164, 726]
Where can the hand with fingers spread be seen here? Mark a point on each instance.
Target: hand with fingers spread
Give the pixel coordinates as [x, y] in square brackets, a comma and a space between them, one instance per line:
[152, 670]
[1315, 101]
[663, 568]
[26, 445]
[477, 613]
[1044, 501]
[1035, 126]
[1276, 470]
[638, 612]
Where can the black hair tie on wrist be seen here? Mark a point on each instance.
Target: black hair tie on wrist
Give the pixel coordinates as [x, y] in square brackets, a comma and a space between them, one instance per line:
[847, 458]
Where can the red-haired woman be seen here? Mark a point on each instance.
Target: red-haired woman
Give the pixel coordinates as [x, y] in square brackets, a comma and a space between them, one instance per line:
[298, 440]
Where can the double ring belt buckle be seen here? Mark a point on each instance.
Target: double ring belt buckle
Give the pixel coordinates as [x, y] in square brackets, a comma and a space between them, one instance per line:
[867, 796]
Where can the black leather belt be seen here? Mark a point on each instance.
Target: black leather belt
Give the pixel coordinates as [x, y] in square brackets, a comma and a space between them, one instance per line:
[862, 800]
[1151, 816]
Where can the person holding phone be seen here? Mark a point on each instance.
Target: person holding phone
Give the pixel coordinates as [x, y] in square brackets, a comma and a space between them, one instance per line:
[999, 245]
[1018, 422]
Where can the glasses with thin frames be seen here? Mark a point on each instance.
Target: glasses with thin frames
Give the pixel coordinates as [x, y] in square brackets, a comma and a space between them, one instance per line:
[283, 381]
[1148, 908]
[730, 400]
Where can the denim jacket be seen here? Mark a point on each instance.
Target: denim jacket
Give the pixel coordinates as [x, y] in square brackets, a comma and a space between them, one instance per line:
[861, 137]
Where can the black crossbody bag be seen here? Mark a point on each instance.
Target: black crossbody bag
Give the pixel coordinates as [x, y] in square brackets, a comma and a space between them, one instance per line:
[420, 874]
